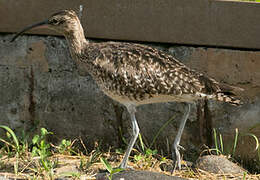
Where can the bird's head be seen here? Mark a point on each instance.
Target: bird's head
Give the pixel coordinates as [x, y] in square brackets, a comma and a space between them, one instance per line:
[64, 22]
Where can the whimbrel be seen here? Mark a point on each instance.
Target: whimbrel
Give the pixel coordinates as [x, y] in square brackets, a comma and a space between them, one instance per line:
[135, 74]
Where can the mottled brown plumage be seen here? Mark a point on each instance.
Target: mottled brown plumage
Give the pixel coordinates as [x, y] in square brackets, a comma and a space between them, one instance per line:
[141, 74]
[135, 74]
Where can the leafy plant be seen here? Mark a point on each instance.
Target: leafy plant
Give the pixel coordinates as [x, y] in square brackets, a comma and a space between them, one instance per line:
[110, 169]
[40, 146]
[65, 146]
[42, 149]
[146, 155]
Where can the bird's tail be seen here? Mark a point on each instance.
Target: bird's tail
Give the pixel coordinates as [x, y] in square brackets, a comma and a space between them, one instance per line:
[221, 92]
[229, 94]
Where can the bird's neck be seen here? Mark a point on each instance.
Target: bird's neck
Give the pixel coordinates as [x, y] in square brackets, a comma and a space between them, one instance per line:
[76, 41]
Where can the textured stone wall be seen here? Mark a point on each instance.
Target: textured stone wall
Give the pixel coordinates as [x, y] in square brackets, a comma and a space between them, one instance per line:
[41, 87]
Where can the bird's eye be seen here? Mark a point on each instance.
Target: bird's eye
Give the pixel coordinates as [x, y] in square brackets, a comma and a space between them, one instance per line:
[55, 22]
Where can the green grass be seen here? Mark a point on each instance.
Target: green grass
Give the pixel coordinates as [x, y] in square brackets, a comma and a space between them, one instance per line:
[219, 146]
[36, 158]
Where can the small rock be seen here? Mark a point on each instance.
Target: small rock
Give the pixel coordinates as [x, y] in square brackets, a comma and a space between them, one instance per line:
[137, 175]
[66, 169]
[218, 164]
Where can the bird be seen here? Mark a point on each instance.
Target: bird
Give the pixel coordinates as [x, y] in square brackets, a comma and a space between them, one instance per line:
[135, 74]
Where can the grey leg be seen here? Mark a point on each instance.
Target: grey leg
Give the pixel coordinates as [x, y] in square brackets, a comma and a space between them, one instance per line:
[175, 152]
[131, 109]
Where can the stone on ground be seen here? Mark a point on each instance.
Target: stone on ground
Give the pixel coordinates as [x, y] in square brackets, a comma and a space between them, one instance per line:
[218, 164]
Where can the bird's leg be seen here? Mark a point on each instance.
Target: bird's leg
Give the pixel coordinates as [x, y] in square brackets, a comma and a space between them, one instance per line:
[175, 151]
[131, 109]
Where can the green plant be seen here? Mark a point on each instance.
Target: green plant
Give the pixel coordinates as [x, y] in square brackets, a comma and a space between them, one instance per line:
[244, 175]
[11, 135]
[65, 147]
[110, 169]
[216, 142]
[40, 146]
[146, 158]
[146, 154]
[42, 149]
[220, 148]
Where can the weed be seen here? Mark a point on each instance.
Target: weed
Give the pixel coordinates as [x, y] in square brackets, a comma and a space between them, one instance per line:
[145, 157]
[37, 159]
[40, 146]
[110, 169]
[244, 175]
[220, 150]
[65, 147]
[10, 133]
[42, 149]
[146, 154]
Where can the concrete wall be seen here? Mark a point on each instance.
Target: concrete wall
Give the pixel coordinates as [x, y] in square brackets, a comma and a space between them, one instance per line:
[41, 87]
[200, 22]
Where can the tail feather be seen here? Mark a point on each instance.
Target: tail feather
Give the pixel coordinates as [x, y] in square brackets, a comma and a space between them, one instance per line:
[234, 100]
[221, 91]
[230, 94]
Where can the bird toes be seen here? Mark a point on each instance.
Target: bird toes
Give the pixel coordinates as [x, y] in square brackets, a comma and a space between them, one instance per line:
[176, 157]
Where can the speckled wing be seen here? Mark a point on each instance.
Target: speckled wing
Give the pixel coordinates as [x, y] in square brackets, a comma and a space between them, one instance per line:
[140, 72]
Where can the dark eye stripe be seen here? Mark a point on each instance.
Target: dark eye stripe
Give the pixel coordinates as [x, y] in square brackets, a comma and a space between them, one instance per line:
[57, 22]
[54, 21]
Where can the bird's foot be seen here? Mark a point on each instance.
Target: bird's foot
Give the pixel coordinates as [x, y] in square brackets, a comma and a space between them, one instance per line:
[176, 157]
[180, 147]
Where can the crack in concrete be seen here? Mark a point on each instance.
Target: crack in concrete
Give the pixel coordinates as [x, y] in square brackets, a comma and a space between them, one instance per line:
[32, 102]
[205, 122]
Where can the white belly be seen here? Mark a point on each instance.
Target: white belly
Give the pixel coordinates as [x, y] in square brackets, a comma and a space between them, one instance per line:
[154, 99]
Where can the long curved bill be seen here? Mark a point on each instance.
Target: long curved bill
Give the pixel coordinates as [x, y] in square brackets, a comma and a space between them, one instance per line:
[30, 27]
